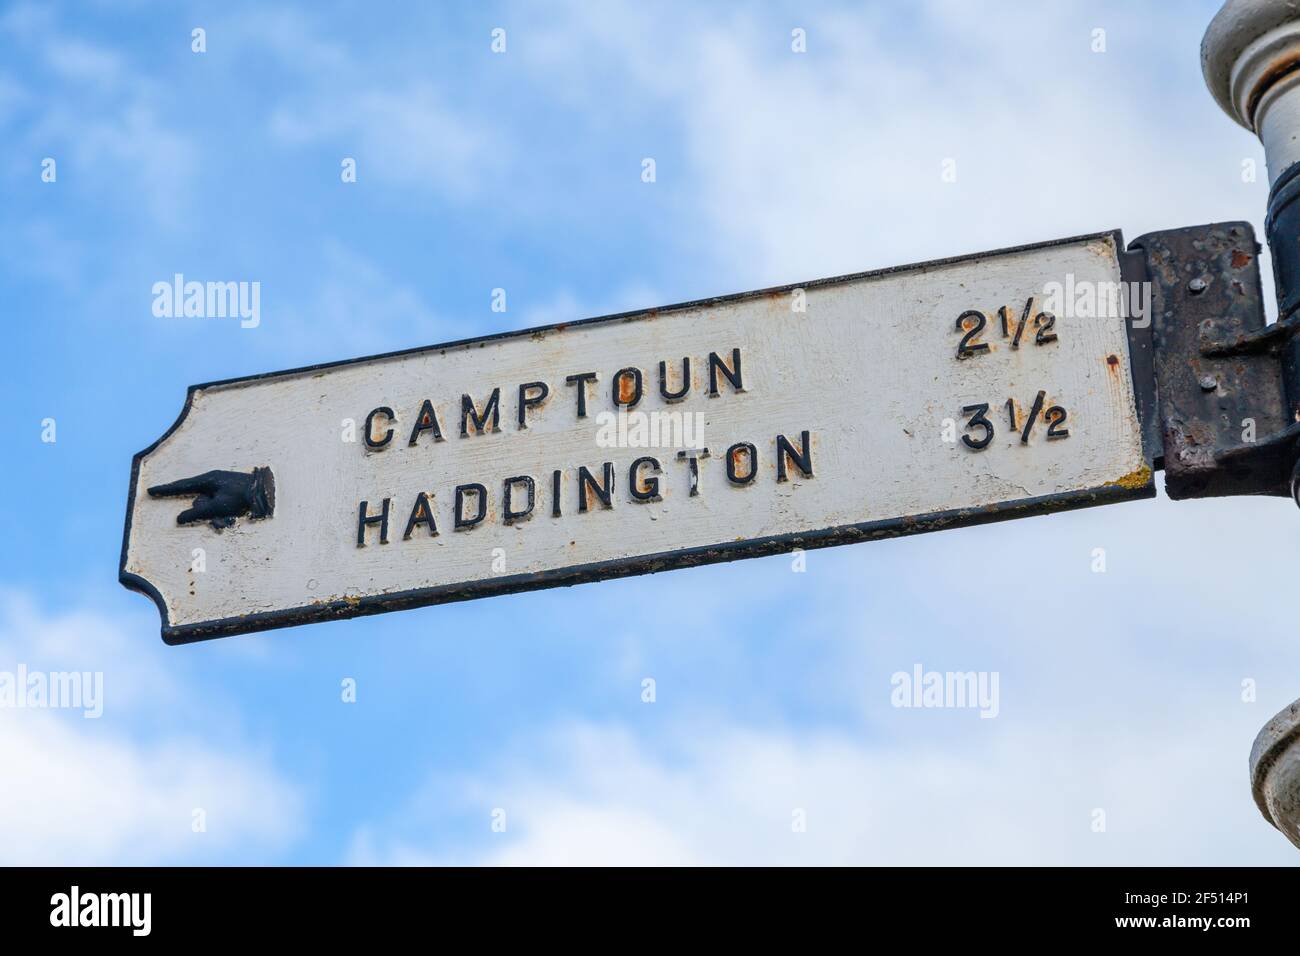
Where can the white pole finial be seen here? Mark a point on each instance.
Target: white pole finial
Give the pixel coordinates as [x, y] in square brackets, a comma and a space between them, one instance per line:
[1250, 57]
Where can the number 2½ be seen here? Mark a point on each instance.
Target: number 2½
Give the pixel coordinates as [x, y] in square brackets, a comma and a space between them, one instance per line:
[968, 346]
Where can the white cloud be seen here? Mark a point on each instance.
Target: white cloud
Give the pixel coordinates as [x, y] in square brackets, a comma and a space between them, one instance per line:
[565, 306]
[12, 97]
[353, 306]
[396, 124]
[84, 62]
[100, 120]
[130, 143]
[122, 788]
[402, 136]
[828, 162]
[724, 794]
[289, 36]
[1120, 691]
[27, 20]
[81, 797]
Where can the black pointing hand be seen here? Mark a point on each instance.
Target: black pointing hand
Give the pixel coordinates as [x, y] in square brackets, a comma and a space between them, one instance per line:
[222, 496]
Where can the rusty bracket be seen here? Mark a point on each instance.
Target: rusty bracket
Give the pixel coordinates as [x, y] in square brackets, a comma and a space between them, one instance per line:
[1217, 404]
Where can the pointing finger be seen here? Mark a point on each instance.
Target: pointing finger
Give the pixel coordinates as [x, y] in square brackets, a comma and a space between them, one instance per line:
[205, 483]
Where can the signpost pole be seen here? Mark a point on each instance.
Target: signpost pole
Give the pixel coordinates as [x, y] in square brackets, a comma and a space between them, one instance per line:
[1251, 60]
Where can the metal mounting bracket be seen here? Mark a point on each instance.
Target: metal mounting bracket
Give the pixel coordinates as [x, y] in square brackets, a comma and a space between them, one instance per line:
[1219, 388]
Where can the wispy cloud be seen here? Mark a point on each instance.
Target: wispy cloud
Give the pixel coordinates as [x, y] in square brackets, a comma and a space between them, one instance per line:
[125, 788]
[725, 794]
[810, 164]
[101, 118]
[401, 138]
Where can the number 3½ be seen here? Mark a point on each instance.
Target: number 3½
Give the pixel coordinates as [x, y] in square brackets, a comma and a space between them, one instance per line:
[977, 420]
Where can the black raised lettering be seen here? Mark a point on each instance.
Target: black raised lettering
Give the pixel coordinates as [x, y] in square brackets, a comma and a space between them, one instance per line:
[427, 420]
[369, 436]
[732, 374]
[581, 381]
[464, 522]
[692, 459]
[469, 412]
[365, 520]
[541, 392]
[589, 487]
[627, 387]
[742, 449]
[509, 514]
[421, 514]
[802, 459]
[677, 396]
[644, 488]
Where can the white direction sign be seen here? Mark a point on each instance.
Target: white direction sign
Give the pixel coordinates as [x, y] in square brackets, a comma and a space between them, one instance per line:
[847, 409]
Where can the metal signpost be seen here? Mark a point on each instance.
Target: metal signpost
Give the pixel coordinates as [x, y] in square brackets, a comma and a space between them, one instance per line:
[788, 418]
[1251, 60]
[993, 386]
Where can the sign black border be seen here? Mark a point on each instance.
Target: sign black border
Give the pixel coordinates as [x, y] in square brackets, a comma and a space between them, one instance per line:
[644, 564]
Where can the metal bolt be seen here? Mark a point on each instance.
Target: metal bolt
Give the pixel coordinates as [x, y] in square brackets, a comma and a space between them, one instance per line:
[1198, 285]
[1209, 383]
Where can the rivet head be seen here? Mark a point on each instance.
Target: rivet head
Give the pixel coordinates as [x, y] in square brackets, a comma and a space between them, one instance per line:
[1209, 383]
[1198, 285]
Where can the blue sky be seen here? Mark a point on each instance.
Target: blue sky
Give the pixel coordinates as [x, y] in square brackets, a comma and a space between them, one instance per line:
[1119, 691]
